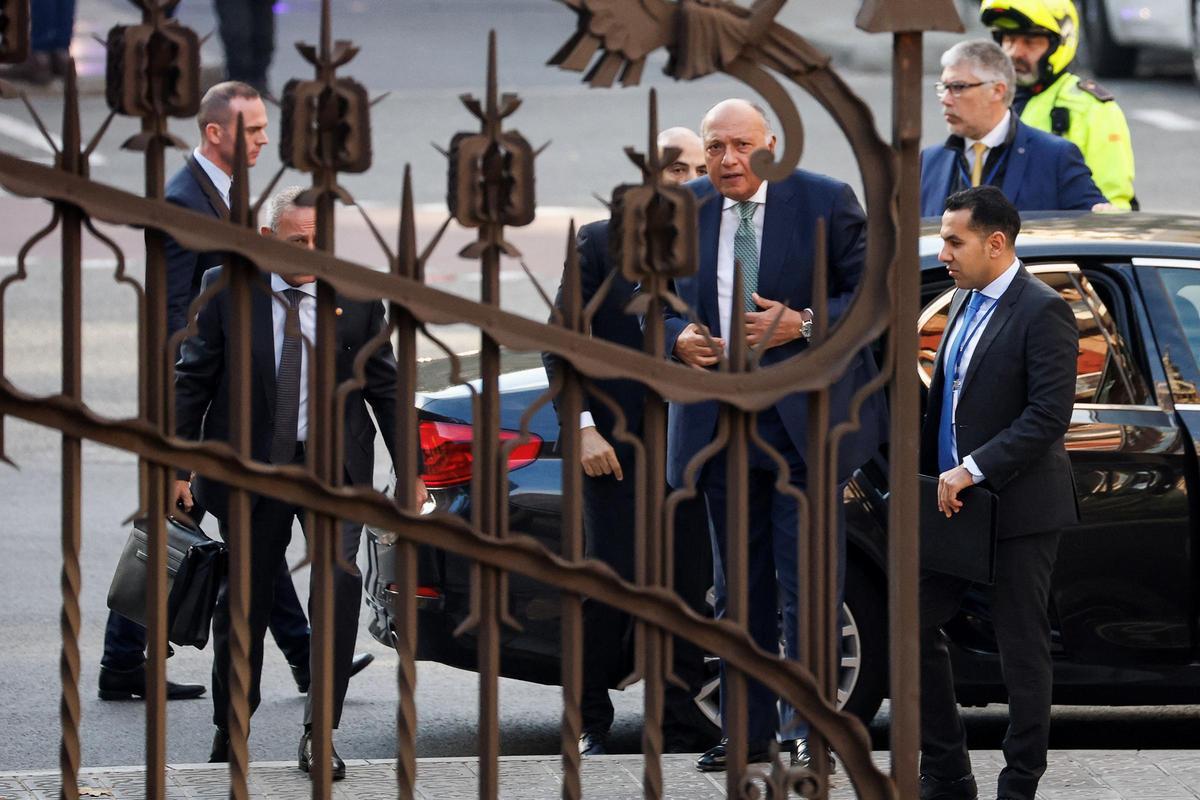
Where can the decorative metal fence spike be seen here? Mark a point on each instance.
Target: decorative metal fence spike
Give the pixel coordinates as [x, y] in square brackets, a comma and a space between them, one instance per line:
[14, 31]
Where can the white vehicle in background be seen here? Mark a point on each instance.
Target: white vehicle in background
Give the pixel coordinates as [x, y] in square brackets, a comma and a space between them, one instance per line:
[1115, 31]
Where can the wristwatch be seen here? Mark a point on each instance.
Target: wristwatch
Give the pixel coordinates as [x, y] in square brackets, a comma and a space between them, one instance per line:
[806, 323]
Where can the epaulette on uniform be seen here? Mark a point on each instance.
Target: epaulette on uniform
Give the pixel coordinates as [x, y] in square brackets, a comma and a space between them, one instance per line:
[1095, 90]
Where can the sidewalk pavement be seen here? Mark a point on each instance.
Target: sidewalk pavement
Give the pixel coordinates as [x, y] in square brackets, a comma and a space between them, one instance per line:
[1073, 775]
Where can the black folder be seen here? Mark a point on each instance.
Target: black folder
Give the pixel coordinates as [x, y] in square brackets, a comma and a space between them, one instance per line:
[963, 545]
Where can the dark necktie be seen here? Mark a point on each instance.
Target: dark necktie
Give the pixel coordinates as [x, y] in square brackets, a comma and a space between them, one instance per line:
[946, 458]
[287, 383]
[745, 250]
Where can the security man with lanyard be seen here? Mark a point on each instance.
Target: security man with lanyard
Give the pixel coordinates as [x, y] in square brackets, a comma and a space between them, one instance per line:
[1041, 37]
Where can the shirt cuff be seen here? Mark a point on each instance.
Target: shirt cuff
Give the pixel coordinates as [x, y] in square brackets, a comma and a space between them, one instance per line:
[586, 421]
[973, 468]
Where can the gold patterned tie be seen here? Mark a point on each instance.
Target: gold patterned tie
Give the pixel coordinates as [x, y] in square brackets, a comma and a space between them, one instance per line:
[977, 168]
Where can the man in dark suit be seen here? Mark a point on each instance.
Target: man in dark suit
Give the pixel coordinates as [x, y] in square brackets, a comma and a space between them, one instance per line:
[202, 185]
[609, 500]
[769, 229]
[999, 407]
[283, 313]
[989, 145]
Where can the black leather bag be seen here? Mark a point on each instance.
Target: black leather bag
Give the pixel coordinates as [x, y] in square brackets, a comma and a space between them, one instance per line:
[195, 567]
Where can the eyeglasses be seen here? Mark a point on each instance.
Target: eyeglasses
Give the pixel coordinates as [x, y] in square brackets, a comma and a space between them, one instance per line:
[956, 88]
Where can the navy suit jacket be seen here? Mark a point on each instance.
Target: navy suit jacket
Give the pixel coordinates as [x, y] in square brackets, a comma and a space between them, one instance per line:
[785, 273]
[190, 188]
[611, 322]
[202, 383]
[1044, 173]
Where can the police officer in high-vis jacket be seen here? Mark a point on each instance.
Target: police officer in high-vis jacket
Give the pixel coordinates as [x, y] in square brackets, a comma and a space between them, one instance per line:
[1041, 37]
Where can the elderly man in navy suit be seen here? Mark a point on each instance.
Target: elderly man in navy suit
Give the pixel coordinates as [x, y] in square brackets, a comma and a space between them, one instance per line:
[990, 146]
[609, 499]
[770, 229]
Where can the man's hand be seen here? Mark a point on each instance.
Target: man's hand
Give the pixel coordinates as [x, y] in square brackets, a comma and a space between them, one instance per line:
[1103, 207]
[758, 323]
[598, 457]
[950, 483]
[691, 347]
[183, 495]
[420, 493]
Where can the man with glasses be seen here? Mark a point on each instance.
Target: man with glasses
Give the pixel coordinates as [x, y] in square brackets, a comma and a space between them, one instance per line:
[990, 146]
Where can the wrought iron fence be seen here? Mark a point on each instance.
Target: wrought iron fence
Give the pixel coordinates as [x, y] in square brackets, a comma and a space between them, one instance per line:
[153, 74]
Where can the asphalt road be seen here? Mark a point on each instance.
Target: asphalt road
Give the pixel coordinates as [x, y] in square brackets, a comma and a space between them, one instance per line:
[425, 54]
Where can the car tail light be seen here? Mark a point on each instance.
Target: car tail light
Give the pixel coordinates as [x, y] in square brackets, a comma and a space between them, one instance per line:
[446, 447]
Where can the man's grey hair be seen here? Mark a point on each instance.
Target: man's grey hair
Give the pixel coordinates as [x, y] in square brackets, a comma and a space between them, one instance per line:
[280, 203]
[987, 60]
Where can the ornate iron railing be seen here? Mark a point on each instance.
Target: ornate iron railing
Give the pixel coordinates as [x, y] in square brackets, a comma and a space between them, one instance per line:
[154, 75]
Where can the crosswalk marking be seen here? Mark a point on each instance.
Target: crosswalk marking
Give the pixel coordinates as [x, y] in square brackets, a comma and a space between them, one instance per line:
[1165, 119]
[28, 134]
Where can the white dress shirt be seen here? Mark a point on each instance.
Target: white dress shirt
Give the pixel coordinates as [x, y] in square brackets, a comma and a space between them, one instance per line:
[220, 180]
[730, 219]
[308, 330]
[991, 140]
[983, 318]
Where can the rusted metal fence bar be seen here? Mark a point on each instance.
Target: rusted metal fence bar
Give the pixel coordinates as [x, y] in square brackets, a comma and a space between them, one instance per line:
[72, 456]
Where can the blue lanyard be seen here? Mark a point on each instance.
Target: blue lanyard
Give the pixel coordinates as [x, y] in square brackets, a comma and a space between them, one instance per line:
[995, 169]
[976, 326]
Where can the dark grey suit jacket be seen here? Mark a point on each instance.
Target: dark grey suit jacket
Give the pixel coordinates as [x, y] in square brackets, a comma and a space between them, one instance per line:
[1015, 406]
[202, 384]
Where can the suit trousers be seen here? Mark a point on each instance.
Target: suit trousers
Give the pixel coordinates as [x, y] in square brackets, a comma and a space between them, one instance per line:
[271, 531]
[772, 577]
[607, 632]
[247, 29]
[1018, 600]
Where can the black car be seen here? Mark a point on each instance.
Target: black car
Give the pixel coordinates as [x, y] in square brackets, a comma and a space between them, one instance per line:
[1125, 600]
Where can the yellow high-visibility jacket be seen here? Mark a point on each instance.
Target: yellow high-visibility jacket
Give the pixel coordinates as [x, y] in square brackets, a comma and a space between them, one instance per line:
[1097, 126]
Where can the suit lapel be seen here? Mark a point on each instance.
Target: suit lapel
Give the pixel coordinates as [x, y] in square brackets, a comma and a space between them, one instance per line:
[263, 338]
[206, 185]
[710, 234]
[999, 318]
[939, 360]
[938, 186]
[777, 235]
[1018, 163]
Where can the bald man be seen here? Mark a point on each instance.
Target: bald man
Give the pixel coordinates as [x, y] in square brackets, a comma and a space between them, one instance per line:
[609, 496]
[772, 228]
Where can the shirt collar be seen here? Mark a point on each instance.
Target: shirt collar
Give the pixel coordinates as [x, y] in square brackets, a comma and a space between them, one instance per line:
[759, 197]
[998, 287]
[215, 174]
[278, 284]
[995, 137]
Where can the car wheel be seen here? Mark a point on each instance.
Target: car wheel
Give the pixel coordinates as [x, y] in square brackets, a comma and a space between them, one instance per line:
[863, 675]
[1103, 55]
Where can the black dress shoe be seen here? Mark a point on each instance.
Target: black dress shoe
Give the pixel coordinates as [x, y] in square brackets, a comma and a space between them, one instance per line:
[128, 684]
[306, 748]
[802, 758]
[304, 677]
[220, 748]
[961, 789]
[713, 760]
[593, 743]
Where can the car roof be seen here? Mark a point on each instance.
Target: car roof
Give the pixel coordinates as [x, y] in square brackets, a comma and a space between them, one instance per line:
[1111, 234]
